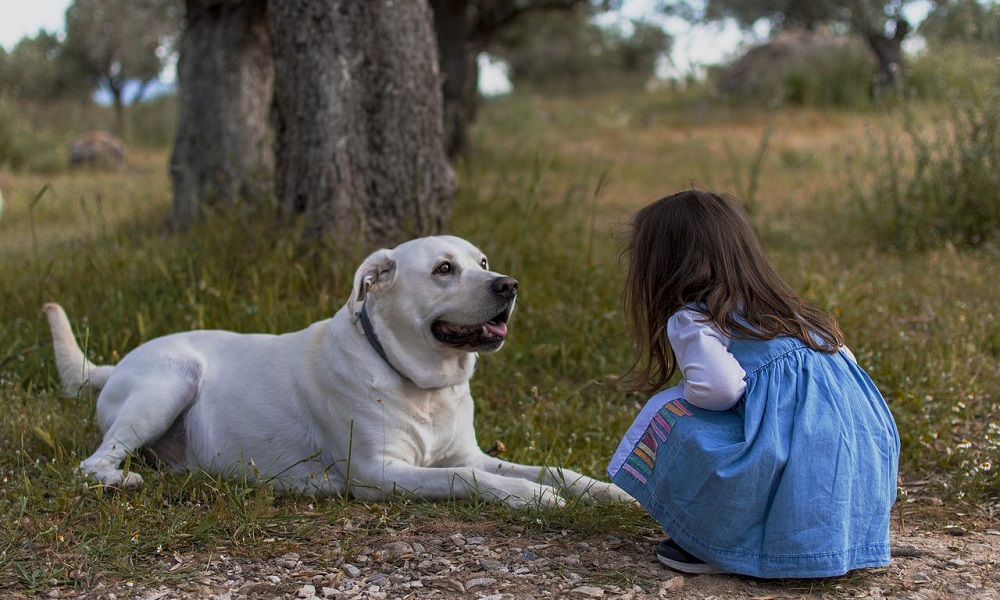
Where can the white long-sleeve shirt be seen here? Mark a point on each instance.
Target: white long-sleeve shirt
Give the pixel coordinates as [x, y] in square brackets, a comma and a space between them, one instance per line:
[712, 377]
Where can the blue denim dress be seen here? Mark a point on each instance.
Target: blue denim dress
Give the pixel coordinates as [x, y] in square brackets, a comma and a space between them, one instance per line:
[796, 480]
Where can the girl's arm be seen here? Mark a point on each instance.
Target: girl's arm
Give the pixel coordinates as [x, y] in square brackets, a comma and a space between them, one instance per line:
[713, 379]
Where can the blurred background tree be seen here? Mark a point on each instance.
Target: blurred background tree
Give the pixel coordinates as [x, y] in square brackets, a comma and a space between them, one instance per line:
[38, 68]
[569, 52]
[881, 24]
[114, 42]
[467, 28]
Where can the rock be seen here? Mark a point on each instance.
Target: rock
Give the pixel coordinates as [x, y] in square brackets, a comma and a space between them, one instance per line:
[674, 584]
[479, 581]
[587, 591]
[352, 571]
[306, 591]
[398, 548]
[96, 148]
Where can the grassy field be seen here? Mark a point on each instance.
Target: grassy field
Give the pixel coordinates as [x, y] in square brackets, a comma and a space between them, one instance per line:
[552, 183]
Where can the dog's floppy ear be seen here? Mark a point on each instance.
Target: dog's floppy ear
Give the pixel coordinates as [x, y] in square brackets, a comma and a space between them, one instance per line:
[377, 272]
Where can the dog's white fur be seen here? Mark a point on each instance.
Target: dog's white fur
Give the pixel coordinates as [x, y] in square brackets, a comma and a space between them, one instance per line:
[319, 410]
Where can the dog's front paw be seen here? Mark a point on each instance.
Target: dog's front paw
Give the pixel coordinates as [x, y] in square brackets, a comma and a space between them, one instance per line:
[550, 497]
[543, 496]
[608, 492]
[598, 491]
[112, 478]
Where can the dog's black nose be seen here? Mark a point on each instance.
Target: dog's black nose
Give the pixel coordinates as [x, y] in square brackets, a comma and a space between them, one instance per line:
[505, 287]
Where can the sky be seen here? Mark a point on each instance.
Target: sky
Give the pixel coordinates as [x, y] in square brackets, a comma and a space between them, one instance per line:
[23, 18]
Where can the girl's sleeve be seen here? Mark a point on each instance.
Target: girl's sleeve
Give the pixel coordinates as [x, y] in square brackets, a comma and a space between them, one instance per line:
[713, 378]
[849, 354]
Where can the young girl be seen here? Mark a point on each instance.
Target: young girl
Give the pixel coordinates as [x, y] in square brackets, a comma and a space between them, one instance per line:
[775, 455]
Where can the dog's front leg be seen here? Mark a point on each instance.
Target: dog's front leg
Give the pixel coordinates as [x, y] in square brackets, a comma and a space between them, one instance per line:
[439, 483]
[567, 481]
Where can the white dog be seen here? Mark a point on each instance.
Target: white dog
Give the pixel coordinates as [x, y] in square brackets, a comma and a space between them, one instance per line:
[372, 402]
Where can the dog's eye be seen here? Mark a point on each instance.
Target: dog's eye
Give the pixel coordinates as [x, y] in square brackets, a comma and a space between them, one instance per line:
[484, 263]
[444, 268]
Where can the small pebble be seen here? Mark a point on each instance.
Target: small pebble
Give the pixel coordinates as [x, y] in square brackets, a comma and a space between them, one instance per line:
[479, 581]
[352, 571]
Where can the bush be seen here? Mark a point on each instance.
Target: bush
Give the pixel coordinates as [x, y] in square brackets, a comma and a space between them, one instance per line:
[802, 69]
[940, 188]
[943, 71]
[13, 153]
[151, 124]
[23, 147]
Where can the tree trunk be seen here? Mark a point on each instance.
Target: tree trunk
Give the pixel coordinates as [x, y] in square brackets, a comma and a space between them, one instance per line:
[458, 56]
[115, 89]
[889, 53]
[359, 137]
[223, 151]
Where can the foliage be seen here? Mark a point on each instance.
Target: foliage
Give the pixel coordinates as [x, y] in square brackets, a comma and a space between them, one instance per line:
[12, 153]
[963, 21]
[873, 14]
[936, 188]
[38, 69]
[567, 50]
[28, 139]
[153, 123]
[947, 71]
[783, 13]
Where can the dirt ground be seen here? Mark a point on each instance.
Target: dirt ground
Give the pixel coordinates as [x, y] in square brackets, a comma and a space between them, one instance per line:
[463, 560]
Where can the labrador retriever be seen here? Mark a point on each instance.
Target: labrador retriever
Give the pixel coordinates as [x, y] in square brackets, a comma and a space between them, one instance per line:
[373, 402]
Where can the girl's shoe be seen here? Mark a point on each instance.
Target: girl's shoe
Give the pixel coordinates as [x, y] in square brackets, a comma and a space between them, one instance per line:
[679, 559]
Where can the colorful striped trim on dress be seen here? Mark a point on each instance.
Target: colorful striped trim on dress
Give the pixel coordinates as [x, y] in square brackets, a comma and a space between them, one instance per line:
[640, 463]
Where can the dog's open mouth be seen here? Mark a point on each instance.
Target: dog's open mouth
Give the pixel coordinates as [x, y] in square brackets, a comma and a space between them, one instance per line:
[486, 336]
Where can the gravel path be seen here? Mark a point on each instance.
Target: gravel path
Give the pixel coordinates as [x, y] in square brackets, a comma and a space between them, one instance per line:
[462, 560]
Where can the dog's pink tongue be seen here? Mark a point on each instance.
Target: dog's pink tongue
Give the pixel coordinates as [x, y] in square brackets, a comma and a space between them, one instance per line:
[498, 329]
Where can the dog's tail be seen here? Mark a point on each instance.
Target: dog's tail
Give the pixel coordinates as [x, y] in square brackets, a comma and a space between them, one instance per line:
[75, 372]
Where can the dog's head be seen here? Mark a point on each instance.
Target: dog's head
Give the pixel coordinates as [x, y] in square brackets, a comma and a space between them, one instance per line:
[434, 300]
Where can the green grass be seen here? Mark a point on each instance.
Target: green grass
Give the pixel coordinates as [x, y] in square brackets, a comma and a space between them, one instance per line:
[552, 182]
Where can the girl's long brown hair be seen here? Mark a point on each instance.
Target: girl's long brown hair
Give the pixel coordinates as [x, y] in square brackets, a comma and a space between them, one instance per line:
[698, 249]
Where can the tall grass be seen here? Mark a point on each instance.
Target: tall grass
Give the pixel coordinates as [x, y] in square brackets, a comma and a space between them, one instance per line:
[937, 185]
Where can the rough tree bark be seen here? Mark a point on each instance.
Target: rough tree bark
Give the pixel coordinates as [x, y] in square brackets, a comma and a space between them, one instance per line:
[223, 150]
[358, 135]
